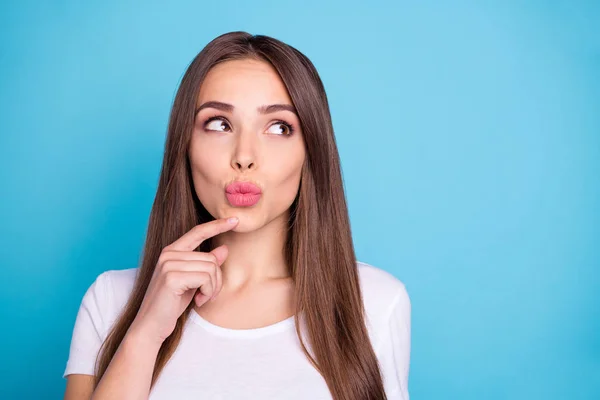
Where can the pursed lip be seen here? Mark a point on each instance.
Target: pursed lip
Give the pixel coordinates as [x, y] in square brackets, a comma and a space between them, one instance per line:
[242, 187]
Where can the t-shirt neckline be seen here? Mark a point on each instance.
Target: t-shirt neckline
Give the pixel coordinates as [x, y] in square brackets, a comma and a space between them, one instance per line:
[241, 333]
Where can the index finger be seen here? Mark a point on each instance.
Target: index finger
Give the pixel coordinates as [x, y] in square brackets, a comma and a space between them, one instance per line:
[199, 233]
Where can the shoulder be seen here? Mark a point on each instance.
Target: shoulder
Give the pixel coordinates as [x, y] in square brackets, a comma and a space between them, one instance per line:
[380, 288]
[101, 305]
[380, 279]
[108, 294]
[119, 283]
[385, 297]
[387, 318]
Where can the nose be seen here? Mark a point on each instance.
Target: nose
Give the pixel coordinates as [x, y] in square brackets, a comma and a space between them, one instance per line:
[244, 156]
[243, 165]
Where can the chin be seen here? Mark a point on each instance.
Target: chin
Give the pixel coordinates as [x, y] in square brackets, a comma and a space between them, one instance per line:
[247, 222]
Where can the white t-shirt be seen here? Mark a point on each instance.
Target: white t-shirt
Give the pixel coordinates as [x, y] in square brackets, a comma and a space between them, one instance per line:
[213, 362]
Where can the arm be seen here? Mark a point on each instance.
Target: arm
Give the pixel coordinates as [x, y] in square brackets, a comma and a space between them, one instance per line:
[394, 346]
[134, 359]
[180, 276]
[79, 387]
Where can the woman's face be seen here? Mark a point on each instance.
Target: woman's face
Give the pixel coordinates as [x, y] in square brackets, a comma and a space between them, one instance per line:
[242, 143]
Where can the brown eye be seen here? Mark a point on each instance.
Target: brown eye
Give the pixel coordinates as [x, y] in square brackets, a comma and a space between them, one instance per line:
[214, 124]
[286, 129]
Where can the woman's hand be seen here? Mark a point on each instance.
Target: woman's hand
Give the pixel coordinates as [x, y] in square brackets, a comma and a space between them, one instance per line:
[181, 275]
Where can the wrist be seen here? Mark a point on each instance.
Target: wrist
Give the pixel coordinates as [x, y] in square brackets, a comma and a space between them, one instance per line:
[137, 336]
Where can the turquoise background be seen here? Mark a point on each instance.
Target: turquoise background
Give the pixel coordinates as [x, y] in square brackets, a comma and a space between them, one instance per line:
[469, 134]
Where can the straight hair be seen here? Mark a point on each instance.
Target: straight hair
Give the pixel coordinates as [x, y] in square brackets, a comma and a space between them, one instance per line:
[318, 250]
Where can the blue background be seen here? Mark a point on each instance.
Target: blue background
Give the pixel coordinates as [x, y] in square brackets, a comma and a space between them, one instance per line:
[469, 134]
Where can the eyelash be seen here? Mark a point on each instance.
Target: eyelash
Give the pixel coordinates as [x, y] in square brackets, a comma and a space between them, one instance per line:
[218, 117]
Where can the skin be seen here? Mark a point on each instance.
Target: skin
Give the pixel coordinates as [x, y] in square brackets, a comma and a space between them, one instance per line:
[251, 280]
[247, 145]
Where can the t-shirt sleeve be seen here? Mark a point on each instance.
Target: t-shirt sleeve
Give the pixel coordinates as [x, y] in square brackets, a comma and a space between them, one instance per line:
[90, 328]
[394, 346]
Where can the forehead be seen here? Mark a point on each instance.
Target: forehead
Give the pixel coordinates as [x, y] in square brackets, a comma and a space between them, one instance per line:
[239, 81]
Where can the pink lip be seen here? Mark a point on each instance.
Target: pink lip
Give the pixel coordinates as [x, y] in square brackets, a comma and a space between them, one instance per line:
[242, 194]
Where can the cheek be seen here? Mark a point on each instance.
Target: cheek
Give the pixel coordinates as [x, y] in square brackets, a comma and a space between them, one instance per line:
[205, 163]
[206, 173]
[288, 177]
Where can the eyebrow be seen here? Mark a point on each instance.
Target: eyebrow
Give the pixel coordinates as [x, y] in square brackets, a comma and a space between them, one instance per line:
[266, 109]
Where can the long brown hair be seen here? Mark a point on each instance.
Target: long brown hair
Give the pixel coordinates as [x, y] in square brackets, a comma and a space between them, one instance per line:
[319, 249]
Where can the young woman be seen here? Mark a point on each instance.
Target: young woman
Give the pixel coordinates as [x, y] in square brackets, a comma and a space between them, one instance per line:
[248, 286]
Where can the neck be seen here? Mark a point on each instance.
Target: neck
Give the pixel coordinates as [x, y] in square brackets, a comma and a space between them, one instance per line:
[256, 256]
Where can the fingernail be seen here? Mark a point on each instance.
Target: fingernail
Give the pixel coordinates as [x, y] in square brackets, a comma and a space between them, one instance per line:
[232, 220]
